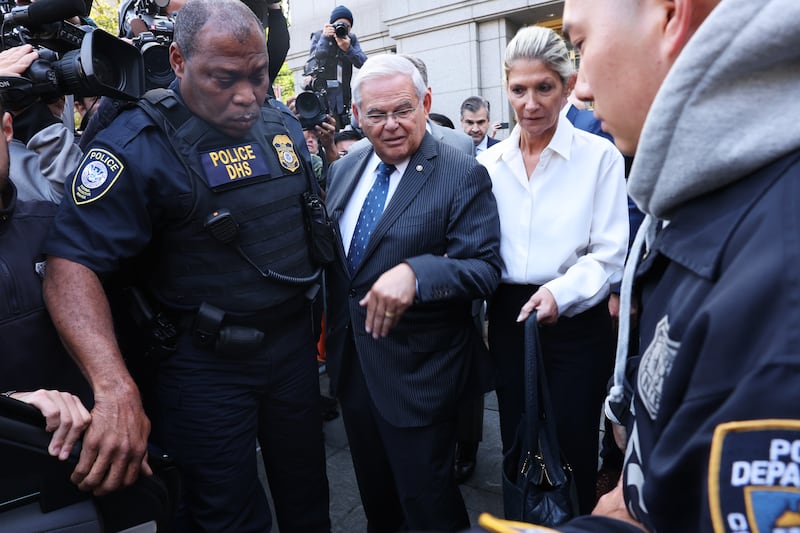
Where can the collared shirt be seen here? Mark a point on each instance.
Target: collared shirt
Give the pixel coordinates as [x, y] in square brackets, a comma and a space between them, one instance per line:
[347, 222]
[566, 225]
[482, 146]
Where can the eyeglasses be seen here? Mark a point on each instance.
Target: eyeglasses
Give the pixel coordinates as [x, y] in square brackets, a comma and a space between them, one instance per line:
[377, 119]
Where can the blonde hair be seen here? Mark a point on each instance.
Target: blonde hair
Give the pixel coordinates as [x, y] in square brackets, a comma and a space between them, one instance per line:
[543, 44]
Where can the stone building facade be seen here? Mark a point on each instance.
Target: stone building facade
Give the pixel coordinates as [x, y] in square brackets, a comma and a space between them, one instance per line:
[461, 41]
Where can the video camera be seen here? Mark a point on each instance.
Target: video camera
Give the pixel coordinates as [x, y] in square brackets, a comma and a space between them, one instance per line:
[78, 60]
[152, 30]
[320, 98]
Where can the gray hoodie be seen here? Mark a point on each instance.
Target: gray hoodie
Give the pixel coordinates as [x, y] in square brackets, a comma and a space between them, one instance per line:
[729, 105]
[40, 168]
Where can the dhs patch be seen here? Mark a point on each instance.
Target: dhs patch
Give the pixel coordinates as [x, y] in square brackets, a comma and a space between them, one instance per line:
[230, 164]
[284, 148]
[754, 477]
[98, 171]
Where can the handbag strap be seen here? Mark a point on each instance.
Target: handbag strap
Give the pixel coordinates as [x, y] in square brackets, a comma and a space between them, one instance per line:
[541, 423]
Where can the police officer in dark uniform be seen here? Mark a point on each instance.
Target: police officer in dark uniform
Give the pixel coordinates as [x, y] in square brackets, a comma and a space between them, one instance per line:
[207, 188]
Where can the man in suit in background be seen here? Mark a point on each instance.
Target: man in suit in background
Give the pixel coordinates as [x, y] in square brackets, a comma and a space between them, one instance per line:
[475, 121]
[402, 351]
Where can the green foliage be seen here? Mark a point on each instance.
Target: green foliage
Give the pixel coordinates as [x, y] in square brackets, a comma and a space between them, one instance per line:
[105, 16]
[285, 80]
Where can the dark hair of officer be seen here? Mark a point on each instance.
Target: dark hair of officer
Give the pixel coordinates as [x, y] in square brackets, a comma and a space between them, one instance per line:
[227, 82]
[197, 13]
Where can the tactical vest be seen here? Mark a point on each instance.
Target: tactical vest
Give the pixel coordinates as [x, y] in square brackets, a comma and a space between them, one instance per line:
[259, 181]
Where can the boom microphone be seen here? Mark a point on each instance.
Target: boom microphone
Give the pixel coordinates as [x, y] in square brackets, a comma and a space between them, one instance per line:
[44, 12]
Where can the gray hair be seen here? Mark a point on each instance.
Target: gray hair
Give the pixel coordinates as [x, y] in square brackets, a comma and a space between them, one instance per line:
[231, 16]
[473, 104]
[543, 44]
[420, 64]
[386, 66]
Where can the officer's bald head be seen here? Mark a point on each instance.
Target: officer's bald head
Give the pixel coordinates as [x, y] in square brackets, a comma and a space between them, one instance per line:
[229, 16]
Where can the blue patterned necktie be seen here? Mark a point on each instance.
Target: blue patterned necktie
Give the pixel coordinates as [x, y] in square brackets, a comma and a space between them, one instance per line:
[370, 213]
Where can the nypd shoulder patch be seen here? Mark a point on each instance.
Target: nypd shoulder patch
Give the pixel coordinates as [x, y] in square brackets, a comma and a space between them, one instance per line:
[754, 476]
[97, 173]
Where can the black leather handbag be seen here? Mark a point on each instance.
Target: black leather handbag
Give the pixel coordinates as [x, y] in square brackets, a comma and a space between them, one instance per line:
[538, 485]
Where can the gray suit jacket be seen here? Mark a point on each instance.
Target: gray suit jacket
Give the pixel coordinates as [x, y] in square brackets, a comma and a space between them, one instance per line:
[457, 139]
[443, 222]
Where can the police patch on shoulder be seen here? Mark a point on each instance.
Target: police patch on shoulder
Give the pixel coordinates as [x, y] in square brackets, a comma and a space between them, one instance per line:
[754, 476]
[655, 366]
[97, 173]
[285, 149]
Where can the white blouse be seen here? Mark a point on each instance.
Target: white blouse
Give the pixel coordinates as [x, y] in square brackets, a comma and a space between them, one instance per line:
[566, 225]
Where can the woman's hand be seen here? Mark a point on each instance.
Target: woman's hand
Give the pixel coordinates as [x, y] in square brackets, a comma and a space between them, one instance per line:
[545, 305]
[65, 415]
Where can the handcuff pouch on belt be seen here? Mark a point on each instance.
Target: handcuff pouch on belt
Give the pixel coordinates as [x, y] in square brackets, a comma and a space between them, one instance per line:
[230, 341]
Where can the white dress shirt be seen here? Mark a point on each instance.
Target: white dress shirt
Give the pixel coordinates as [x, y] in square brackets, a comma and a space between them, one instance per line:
[347, 222]
[482, 146]
[566, 225]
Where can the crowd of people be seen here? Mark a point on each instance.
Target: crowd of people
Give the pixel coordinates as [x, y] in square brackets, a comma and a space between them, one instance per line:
[170, 276]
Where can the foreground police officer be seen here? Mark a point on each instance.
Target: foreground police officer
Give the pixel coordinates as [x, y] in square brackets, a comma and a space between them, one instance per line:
[204, 186]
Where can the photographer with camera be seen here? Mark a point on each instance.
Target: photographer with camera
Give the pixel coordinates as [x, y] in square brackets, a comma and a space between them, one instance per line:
[333, 54]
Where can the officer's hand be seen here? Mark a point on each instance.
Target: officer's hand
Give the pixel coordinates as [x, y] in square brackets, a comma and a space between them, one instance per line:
[620, 436]
[613, 309]
[15, 61]
[65, 417]
[388, 298]
[545, 305]
[612, 505]
[114, 449]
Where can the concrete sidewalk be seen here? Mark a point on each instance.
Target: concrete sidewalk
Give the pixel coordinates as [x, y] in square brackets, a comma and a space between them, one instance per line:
[482, 492]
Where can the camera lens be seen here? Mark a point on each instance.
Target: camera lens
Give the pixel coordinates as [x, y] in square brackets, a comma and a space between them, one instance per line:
[340, 29]
[157, 69]
[310, 110]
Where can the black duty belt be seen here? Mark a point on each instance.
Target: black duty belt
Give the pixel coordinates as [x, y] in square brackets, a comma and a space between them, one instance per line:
[236, 336]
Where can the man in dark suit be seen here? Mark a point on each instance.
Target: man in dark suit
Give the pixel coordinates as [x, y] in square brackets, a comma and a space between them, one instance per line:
[402, 350]
[475, 121]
